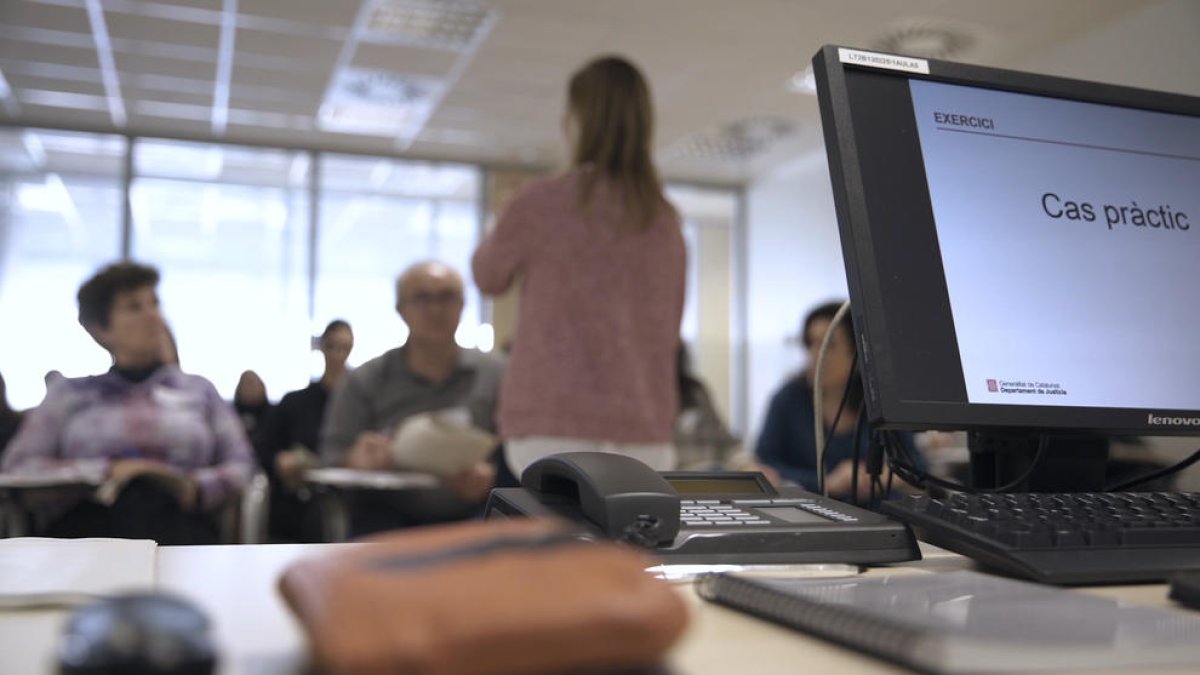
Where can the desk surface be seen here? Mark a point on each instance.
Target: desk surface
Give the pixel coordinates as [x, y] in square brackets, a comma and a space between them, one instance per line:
[235, 586]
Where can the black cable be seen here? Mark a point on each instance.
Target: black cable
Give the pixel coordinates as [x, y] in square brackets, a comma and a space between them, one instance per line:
[1155, 475]
[917, 477]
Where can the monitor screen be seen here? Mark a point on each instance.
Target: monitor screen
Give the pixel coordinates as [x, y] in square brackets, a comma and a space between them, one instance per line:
[1022, 251]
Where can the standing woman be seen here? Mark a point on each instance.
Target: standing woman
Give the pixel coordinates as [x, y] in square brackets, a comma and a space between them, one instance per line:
[600, 257]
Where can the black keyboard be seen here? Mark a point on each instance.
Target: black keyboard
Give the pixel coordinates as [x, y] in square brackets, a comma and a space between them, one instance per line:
[1064, 538]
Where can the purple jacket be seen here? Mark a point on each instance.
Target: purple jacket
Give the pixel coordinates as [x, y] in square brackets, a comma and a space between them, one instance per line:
[85, 423]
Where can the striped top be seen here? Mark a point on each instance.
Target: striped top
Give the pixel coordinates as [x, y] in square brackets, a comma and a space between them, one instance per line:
[178, 419]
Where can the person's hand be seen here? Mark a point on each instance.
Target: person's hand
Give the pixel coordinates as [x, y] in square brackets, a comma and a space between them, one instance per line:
[291, 464]
[840, 480]
[370, 452]
[473, 483]
[180, 484]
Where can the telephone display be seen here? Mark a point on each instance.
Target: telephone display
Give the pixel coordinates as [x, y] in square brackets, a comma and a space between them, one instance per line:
[724, 484]
[701, 517]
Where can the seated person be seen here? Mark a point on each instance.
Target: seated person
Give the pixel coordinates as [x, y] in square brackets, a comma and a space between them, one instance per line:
[169, 450]
[787, 442]
[702, 441]
[428, 372]
[10, 419]
[250, 401]
[290, 436]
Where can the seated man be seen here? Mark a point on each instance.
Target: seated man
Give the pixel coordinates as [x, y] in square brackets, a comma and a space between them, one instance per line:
[428, 372]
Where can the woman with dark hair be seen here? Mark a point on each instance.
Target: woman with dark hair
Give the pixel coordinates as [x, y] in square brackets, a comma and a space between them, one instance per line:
[599, 255]
[250, 400]
[167, 449]
[786, 442]
[289, 438]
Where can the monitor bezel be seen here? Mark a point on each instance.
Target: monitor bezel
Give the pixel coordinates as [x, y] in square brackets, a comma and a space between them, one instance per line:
[885, 408]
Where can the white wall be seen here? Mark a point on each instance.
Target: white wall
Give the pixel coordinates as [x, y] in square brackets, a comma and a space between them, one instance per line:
[793, 261]
[1155, 48]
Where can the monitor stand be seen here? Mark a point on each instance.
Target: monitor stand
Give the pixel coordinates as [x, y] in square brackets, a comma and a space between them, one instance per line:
[1068, 464]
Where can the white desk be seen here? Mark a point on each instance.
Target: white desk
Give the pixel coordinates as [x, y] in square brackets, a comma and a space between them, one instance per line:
[235, 586]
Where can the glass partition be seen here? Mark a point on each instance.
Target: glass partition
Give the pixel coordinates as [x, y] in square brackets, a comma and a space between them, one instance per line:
[378, 216]
[228, 228]
[60, 218]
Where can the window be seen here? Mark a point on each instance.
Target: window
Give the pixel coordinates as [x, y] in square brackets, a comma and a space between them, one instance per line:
[227, 226]
[252, 269]
[378, 216]
[60, 214]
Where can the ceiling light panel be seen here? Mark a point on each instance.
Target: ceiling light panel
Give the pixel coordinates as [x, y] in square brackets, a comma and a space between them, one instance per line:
[417, 60]
[378, 102]
[738, 141]
[929, 38]
[438, 24]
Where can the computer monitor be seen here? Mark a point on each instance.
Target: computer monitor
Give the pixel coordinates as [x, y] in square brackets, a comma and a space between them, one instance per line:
[1022, 251]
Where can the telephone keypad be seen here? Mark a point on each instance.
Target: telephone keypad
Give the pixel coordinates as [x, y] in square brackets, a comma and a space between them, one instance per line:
[709, 512]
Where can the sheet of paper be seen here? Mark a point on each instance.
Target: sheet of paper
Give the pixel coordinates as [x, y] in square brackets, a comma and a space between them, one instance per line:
[442, 443]
[30, 565]
[43, 580]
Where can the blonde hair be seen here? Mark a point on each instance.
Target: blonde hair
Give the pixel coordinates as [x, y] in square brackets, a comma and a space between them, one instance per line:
[609, 101]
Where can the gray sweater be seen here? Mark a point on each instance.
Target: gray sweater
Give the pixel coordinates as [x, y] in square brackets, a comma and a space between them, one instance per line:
[383, 392]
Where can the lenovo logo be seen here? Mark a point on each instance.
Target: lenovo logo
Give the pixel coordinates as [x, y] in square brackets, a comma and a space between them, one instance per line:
[1174, 421]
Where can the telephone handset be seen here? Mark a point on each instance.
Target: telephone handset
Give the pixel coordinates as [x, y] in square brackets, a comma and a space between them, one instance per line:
[622, 497]
[701, 517]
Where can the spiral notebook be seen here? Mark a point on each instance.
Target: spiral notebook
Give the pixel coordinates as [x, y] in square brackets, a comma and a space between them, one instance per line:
[967, 622]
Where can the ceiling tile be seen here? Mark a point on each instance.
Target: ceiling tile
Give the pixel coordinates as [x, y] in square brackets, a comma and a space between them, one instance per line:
[247, 77]
[193, 97]
[255, 46]
[130, 27]
[137, 64]
[37, 15]
[21, 82]
[323, 13]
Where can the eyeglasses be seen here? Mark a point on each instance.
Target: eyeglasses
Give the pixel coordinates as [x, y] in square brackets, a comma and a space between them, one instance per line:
[424, 299]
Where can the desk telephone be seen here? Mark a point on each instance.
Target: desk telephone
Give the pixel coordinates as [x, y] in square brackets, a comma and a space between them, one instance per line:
[701, 517]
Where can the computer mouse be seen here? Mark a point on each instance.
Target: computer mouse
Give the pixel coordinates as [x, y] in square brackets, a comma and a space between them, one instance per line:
[138, 634]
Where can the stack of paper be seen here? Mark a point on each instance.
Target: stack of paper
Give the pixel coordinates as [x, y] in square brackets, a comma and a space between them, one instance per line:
[42, 580]
[442, 443]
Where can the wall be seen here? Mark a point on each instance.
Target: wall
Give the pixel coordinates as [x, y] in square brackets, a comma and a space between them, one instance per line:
[793, 262]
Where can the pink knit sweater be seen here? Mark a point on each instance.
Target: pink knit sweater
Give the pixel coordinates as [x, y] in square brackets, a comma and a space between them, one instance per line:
[598, 325]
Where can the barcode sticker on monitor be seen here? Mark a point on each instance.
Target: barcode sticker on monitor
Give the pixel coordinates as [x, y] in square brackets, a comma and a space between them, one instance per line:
[889, 61]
